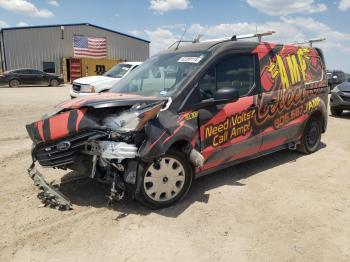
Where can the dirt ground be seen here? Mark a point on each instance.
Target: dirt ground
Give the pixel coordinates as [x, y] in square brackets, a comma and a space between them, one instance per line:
[282, 207]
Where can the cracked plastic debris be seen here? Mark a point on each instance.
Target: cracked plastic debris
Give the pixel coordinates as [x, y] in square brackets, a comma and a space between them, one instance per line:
[49, 195]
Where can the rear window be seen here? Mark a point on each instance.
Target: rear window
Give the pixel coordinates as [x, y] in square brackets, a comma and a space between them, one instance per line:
[314, 71]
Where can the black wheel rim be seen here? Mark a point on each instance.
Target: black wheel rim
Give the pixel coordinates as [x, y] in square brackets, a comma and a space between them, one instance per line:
[313, 135]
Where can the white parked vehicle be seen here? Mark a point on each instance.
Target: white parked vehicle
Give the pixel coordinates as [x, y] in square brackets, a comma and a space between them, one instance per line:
[95, 84]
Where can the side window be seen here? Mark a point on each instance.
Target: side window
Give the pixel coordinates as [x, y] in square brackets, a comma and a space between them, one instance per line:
[22, 72]
[236, 72]
[35, 72]
[207, 84]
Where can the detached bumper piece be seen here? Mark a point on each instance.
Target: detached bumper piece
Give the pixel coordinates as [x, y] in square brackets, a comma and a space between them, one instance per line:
[49, 195]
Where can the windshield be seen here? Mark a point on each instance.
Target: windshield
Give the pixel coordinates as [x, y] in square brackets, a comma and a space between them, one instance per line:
[162, 75]
[118, 71]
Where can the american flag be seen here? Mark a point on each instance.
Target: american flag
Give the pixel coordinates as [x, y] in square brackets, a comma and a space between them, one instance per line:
[93, 47]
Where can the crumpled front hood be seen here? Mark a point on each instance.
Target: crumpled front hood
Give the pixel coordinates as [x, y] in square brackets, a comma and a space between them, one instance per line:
[344, 87]
[103, 100]
[78, 115]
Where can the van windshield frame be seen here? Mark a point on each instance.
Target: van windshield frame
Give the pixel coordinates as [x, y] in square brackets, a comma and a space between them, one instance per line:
[162, 75]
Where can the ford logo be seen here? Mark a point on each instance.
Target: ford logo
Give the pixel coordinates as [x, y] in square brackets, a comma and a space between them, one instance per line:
[62, 146]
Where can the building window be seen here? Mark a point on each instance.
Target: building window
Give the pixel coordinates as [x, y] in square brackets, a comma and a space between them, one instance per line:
[49, 67]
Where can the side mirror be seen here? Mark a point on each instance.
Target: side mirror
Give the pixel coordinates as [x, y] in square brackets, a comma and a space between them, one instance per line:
[226, 93]
[222, 96]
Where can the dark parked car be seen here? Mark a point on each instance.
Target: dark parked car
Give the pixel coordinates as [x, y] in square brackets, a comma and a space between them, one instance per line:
[347, 77]
[335, 78]
[18, 77]
[340, 99]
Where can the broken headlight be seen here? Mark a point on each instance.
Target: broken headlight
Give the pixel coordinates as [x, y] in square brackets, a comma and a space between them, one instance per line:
[133, 119]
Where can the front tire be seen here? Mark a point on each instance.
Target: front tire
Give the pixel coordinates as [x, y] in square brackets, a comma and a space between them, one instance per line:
[14, 83]
[311, 138]
[336, 111]
[54, 82]
[165, 182]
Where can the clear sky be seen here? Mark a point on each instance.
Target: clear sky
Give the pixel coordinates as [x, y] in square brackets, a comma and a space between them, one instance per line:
[163, 21]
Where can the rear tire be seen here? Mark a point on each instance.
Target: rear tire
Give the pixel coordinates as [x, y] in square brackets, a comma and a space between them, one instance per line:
[14, 83]
[53, 82]
[311, 139]
[336, 111]
[165, 183]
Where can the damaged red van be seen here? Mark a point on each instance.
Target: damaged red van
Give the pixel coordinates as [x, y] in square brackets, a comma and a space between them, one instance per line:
[184, 113]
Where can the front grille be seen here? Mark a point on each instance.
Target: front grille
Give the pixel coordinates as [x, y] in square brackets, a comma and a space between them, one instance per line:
[76, 87]
[52, 155]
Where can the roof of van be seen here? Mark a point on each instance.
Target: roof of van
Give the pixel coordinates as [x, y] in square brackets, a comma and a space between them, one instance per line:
[226, 44]
[207, 45]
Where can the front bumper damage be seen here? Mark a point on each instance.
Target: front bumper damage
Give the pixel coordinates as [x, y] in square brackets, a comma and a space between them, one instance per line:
[103, 153]
[100, 140]
[48, 195]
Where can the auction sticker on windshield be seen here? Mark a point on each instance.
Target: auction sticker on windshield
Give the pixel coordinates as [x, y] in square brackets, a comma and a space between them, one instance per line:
[190, 59]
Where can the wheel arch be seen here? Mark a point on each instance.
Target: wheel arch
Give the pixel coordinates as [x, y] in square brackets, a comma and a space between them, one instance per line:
[180, 144]
[318, 114]
[322, 117]
[160, 139]
[184, 146]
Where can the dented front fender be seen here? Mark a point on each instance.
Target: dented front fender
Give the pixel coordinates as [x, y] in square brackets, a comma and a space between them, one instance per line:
[168, 128]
